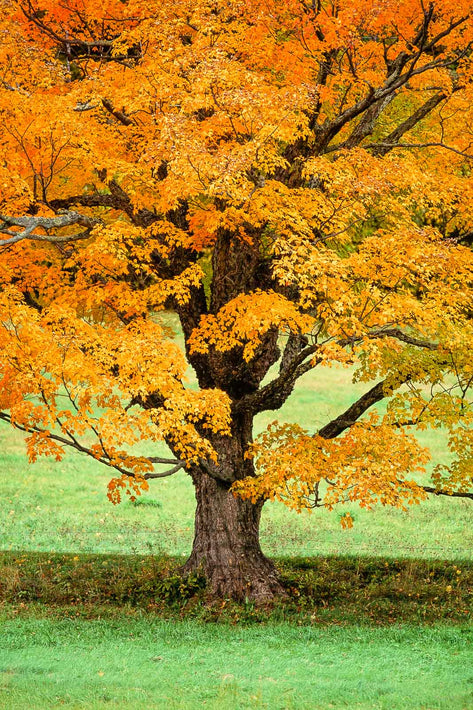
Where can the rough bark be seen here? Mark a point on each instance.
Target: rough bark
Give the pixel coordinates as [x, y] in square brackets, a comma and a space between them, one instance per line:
[226, 544]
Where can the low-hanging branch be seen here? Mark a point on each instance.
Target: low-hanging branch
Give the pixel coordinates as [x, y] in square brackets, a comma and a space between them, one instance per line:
[177, 465]
[451, 494]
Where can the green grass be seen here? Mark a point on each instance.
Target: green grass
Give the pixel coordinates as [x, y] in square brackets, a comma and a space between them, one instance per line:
[150, 663]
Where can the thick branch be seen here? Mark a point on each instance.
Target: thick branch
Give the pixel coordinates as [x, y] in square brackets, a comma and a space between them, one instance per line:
[294, 346]
[94, 199]
[275, 393]
[355, 411]
[376, 393]
[393, 138]
[375, 96]
[121, 116]
[190, 314]
[367, 123]
[117, 199]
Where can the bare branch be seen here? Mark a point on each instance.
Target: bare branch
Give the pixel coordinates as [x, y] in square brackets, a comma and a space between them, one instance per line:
[367, 123]
[159, 459]
[164, 474]
[86, 106]
[295, 344]
[29, 224]
[383, 148]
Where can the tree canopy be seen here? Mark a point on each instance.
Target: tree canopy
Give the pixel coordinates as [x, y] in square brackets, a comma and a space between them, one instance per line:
[293, 179]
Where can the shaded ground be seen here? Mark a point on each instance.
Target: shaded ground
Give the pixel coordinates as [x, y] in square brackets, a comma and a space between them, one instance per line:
[321, 590]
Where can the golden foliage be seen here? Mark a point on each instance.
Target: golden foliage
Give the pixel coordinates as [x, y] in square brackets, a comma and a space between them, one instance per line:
[270, 170]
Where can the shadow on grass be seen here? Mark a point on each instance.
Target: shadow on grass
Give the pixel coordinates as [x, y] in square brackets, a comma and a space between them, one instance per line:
[330, 590]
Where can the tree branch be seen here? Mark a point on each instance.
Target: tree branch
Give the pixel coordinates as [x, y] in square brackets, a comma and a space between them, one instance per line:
[275, 393]
[355, 411]
[396, 333]
[29, 224]
[74, 444]
[400, 71]
[390, 141]
[117, 199]
[164, 474]
[159, 459]
[94, 199]
[367, 123]
[383, 148]
[121, 116]
[453, 494]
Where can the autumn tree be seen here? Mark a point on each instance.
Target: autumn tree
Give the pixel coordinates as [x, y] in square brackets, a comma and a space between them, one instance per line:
[293, 179]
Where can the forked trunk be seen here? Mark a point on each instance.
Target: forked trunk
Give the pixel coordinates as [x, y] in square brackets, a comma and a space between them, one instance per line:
[226, 544]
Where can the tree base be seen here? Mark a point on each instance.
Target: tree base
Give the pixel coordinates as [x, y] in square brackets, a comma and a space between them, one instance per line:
[255, 579]
[226, 546]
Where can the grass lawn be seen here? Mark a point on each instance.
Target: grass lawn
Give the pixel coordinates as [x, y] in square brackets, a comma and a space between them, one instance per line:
[379, 616]
[150, 663]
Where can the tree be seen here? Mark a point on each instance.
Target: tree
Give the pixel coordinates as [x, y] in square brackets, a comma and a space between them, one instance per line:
[293, 179]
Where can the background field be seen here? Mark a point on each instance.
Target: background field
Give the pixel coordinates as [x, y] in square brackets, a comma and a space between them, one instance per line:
[82, 626]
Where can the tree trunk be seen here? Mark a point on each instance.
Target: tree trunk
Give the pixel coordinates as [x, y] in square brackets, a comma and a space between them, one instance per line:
[226, 544]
